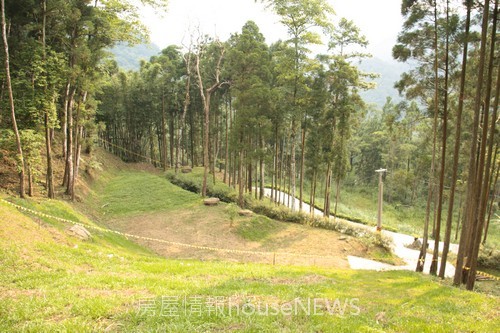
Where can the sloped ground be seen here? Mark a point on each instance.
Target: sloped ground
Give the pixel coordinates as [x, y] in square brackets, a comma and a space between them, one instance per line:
[400, 247]
[210, 227]
[145, 204]
[50, 281]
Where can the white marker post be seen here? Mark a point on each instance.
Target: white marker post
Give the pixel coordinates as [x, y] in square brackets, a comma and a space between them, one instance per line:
[380, 197]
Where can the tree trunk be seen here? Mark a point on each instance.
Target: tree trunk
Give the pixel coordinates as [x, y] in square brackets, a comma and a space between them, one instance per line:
[483, 173]
[64, 121]
[277, 163]
[78, 136]
[302, 162]
[240, 180]
[205, 96]
[48, 142]
[171, 132]
[164, 132]
[12, 107]
[326, 210]
[430, 194]
[187, 101]
[226, 153]
[435, 255]
[461, 274]
[293, 139]
[261, 166]
[492, 203]
[337, 196]
[456, 152]
[313, 193]
[69, 154]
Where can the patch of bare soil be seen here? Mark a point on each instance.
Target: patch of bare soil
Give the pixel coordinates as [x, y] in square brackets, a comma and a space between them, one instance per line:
[210, 227]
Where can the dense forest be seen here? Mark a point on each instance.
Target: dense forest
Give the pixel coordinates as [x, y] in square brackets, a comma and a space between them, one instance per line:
[266, 116]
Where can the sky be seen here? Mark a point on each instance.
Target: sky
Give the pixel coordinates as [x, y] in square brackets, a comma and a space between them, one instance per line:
[379, 20]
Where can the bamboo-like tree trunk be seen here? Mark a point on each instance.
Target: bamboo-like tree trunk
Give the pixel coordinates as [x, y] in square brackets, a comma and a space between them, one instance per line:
[69, 153]
[164, 131]
[261, 166]
[187, 101]
[48, 142]
[328, 177]
[12, 106]
[302, 162]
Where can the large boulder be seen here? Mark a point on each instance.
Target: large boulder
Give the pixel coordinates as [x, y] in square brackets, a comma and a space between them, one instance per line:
[211, 201]
[245, 212]
[79, 231]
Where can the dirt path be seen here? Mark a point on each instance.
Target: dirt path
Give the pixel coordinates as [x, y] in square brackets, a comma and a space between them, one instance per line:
[400, 248]
[210, 226]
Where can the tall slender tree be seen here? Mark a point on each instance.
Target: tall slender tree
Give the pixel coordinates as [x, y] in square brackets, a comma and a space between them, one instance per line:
[20, 156]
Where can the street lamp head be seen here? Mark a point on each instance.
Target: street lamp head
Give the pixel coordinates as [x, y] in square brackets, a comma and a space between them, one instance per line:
[381, 170]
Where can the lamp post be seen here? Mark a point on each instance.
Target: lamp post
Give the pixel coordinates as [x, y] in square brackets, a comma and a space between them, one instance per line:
[380, 197]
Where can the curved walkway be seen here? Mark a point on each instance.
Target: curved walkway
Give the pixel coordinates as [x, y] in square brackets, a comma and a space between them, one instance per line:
[400, 242]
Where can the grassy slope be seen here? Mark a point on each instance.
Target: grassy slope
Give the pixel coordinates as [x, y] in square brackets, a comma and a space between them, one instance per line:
[51, 281]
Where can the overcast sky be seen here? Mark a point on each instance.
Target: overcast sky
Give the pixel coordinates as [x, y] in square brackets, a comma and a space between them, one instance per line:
[379, 20]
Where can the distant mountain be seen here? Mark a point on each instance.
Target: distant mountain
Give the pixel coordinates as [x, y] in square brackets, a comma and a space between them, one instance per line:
[390, 72]
[129, 57]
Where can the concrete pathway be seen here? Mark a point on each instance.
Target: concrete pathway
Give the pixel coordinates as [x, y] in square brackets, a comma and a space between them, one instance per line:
[400, 242]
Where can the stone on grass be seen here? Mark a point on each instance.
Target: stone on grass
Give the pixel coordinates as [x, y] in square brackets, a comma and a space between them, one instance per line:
[245, 212]
[211, 201]
[79, 232]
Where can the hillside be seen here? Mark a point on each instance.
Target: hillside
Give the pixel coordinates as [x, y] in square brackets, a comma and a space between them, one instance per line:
[390, 72]
[129, 57]
[52, 281]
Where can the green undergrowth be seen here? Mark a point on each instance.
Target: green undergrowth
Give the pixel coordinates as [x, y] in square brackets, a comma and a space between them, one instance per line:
[50, 281]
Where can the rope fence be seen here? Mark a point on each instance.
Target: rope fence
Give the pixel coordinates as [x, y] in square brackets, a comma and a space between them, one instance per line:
[193, 246]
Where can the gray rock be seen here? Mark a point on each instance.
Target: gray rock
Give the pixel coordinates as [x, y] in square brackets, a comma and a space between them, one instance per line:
[245, 212]
[79, 232]
[211, 201]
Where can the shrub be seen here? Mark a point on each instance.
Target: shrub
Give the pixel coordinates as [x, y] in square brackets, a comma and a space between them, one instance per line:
[489, 258]
[187, 183]
[223, 192]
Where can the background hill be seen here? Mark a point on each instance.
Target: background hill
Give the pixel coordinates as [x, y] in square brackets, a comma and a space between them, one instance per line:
[129, 57]
[390, 72]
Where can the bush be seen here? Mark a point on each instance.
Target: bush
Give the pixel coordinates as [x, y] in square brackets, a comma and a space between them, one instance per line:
[187, 183]
[223, 192]
[489, 258]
